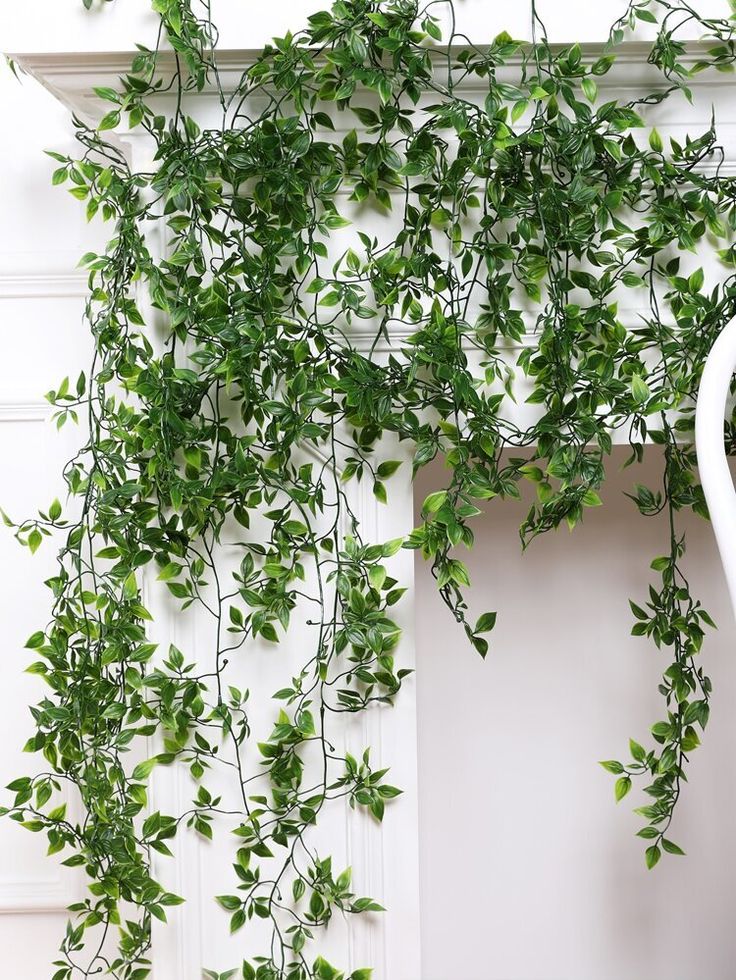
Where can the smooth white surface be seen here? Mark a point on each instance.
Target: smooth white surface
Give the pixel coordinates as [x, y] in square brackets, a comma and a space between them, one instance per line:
[43, 233]
[712, 461]
[63, 25]
[529, 870]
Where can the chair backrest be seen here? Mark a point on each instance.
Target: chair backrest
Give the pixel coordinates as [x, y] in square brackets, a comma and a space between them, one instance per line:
[715, 474]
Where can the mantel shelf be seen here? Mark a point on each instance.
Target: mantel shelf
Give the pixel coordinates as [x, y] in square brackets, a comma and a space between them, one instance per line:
[71, 76]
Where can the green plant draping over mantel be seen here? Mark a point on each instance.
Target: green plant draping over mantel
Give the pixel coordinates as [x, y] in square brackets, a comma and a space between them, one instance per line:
[229, 401]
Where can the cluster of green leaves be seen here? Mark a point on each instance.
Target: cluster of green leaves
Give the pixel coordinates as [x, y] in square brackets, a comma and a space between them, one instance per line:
[523, 209]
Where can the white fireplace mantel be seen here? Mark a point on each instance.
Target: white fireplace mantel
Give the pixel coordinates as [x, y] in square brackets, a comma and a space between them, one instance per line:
[385, 862]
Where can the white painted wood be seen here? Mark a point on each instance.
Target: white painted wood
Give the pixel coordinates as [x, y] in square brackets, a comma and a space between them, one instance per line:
[386, 860]
[42, 285]
[30, 883]
[41, 302]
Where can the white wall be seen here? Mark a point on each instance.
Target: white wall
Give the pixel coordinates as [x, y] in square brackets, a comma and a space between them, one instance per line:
[42, 235]
[529, 871]
[63, 25]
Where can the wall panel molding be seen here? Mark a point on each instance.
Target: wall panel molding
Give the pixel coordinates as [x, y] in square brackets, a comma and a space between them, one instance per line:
[41, 285]
[35, 895]
[34, 411]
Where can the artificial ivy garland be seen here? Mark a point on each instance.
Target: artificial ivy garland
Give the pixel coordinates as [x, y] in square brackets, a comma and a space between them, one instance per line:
[527, 212]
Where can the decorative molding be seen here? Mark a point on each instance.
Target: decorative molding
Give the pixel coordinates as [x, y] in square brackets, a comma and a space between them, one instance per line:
[71, 76]
[367, 938]
[36, 411]
[189, 947]
[34, 895]
[364, 338]
[30, 895]
[40, 285]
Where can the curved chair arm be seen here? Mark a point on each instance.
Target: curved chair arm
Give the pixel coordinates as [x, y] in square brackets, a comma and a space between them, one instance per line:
[712, 460]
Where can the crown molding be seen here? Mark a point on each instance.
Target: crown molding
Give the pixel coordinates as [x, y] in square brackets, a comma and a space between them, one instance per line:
[71, 76]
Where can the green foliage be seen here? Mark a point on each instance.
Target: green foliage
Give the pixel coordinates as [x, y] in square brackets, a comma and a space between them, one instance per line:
[522, 219]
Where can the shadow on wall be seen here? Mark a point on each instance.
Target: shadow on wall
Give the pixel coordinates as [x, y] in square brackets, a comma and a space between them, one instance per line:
[529, 869]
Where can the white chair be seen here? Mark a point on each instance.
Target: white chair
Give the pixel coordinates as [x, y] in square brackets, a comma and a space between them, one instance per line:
[712, 460]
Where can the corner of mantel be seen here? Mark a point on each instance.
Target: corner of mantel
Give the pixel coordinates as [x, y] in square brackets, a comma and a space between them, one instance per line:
[71, 76]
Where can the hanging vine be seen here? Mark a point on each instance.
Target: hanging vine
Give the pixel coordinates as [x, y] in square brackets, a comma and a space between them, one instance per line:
[231, 401]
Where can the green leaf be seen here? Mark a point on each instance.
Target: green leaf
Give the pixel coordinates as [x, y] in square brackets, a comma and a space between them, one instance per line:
[108, 94]
[169, 571]
[237, 920]
[696, 281]
[130, 587]
[519, 109]
[458, 572]
[111, 552]
[109, 121]
[590, 88]
[324, 971]
[633, 281]
[652, 856]
[610, 765]
[388, 468]
[434, 501]
[485, 623]
[622, 787]
[144, 769]
[639, 389]
[655, 141]
[229, 902]
[648, 833]
[433, 30]
[334, 221]
[367, 905]
[391, 547]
